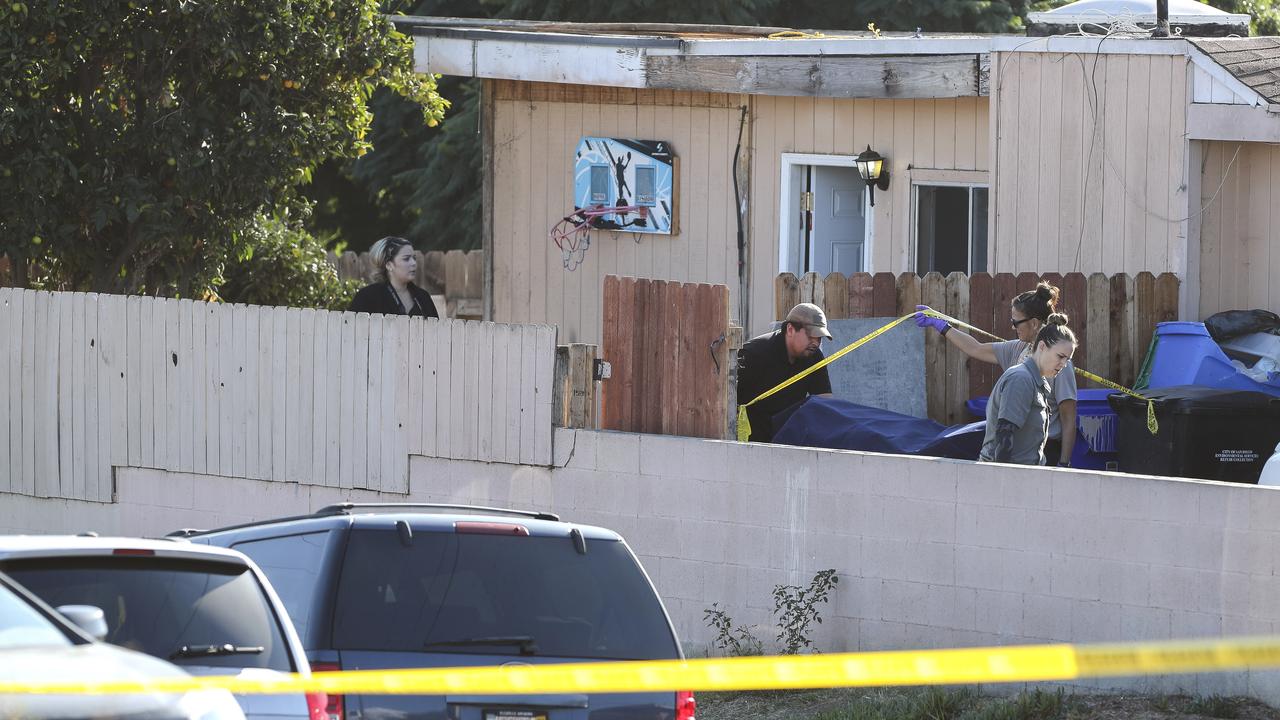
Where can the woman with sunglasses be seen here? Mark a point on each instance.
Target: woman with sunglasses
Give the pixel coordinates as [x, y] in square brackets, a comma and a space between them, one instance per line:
[1028, 314]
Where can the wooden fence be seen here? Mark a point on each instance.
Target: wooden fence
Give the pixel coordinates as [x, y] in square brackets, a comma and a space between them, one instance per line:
[667, 346]
[94, 382]
[457, 275]
[1114, 318]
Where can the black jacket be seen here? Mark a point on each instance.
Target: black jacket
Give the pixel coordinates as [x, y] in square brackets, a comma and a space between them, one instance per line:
[381, 298]
[762, 365]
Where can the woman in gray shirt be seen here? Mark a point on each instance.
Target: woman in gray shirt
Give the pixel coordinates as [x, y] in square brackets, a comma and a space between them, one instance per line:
[1018, 410]
[1028, 314]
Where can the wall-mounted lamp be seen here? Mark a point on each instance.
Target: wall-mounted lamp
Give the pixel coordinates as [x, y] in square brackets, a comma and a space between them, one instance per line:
[871, 168]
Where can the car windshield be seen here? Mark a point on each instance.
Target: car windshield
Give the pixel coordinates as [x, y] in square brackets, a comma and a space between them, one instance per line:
[497, 595]
[23, 626]
[159, 606]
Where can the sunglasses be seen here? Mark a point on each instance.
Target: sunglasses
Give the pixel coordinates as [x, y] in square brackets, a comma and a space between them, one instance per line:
[1016, 323]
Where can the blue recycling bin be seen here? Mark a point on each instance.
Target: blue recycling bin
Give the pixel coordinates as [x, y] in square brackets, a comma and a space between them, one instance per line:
[1185, 354]
[1095, 428]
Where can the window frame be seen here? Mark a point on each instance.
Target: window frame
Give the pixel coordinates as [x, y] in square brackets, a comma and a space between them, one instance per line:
[970, 179]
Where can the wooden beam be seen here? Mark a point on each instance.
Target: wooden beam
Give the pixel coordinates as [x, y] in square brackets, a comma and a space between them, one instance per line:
[886, 77]
[1232, 123]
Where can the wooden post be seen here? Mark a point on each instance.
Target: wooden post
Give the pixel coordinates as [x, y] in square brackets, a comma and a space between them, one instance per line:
[933, 292]
[957, 363]
[561, 395]
[574, 387]
[735, 338]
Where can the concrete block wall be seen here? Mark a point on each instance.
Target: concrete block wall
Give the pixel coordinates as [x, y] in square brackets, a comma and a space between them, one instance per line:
[930, 552]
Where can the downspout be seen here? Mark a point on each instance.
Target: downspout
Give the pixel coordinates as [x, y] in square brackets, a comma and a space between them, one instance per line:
[740, 211]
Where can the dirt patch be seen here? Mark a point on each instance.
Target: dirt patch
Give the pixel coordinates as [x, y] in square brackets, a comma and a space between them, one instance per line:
[970, 704]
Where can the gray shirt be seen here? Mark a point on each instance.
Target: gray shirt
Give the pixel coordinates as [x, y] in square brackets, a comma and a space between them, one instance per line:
[1021, 396]
[1012, 352]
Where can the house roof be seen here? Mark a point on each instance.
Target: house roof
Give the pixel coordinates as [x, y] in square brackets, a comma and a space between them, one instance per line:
[1253, 61]
[682, 34]
[780, 61]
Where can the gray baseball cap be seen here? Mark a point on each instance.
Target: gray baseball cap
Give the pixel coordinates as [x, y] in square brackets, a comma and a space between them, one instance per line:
[811, 317]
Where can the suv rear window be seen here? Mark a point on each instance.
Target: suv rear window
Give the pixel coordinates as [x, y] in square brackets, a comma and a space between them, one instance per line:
[446, 589]
[158, 605]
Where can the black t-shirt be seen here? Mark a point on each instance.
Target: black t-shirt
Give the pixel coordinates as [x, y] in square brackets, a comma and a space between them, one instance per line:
[381, 298]
[762, 365]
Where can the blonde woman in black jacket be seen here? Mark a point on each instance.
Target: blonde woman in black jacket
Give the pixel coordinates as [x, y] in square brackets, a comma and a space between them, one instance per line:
[393, 291]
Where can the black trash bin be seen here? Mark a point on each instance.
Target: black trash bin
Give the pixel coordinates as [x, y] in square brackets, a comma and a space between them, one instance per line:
[1206, 433]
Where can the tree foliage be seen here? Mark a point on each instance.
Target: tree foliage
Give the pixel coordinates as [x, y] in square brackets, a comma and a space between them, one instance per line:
[286, 265]
[146, 142]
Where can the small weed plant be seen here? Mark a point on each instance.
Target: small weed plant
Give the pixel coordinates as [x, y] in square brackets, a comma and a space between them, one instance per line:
[795, 609]
[731, 639]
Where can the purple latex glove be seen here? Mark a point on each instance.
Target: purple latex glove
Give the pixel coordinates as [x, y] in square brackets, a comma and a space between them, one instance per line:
[923, 320]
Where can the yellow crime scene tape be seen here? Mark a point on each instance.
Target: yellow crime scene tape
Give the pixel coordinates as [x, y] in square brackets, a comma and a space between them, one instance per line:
[1027, 663]
[744, 425]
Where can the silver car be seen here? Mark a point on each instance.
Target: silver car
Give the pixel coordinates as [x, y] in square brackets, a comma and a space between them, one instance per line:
[208, 610]
[36, 644]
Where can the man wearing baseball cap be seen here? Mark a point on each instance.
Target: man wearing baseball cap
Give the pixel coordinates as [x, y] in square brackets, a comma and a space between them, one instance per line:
[766, 361]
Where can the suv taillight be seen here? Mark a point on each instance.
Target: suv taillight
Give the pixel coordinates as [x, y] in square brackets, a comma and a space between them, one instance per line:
[328, 706]
[686, 706]
[317, 706]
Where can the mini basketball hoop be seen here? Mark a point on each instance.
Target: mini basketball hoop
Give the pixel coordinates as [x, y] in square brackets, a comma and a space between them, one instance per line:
[572, 233]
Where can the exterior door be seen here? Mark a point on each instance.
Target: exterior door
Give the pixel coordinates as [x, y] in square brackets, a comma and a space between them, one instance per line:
[836, 243]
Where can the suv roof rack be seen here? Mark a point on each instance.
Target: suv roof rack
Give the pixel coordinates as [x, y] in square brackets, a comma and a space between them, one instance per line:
[347, 508]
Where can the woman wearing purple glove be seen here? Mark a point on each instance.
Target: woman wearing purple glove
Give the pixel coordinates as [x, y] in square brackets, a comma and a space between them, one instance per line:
[1028, 313]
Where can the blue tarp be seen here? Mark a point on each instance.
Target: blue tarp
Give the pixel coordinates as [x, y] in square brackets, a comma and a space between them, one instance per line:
[842, 425]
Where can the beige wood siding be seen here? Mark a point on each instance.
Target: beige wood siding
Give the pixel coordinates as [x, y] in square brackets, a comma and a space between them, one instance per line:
[1091, 173]
[949, 134]
[1239, 242]
[536, 132]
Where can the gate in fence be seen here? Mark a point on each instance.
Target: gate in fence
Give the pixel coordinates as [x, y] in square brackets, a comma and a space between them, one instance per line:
[667, 347]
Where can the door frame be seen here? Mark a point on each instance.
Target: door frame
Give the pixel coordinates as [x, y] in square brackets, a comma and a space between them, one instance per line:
[791, 162]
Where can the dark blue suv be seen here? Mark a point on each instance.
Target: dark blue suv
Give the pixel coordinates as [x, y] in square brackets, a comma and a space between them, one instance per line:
[414, 585]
